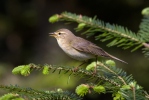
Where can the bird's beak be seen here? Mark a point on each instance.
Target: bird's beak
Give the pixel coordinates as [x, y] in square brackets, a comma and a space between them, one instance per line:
[52, 34]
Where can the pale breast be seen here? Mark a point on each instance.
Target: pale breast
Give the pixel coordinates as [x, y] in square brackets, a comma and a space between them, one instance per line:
[73, 53]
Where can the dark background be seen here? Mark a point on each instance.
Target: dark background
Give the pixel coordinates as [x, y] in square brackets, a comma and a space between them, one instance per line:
[24, 39]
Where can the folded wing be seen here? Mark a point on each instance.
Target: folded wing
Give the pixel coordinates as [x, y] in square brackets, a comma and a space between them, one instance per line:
[88, 47]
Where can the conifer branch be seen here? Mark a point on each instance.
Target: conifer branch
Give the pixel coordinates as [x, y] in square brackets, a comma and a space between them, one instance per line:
[120, 36]
[42, 95]
[108, 76]
[101, 64]
[46, 68]
[144, 33]
[113, 30]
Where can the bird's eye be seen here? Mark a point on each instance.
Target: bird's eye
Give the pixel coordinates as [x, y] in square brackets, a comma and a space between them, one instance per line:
[59, 33]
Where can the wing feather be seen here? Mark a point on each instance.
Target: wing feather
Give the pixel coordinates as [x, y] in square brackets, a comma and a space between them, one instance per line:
[83, 45]
[91, 48]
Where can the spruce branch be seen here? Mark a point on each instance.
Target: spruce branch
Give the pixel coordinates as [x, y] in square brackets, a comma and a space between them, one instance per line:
[109, 76]
[119, 32]
[144, 33]
[40, 95]
[118, 76]
[133, 92]
[53, 68]
[80, 72]
[120, 36]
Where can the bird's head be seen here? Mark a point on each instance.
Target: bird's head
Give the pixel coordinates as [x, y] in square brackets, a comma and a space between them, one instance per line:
[62, 34]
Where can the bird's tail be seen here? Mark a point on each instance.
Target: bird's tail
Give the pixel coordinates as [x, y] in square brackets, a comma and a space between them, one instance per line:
[117, 59]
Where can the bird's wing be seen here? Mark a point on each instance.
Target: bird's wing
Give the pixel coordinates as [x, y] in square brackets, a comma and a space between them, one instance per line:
[83, 45]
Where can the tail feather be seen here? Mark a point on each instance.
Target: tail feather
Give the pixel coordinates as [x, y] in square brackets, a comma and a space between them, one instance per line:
[117, 59]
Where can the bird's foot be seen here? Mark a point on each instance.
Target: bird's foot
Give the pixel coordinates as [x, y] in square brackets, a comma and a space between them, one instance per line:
[75, 69]
[94, 72]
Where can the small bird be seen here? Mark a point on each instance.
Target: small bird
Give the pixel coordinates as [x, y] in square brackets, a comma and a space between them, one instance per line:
[79, 48]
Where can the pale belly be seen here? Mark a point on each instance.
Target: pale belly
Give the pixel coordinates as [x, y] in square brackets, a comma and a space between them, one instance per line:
[78, 55]
[75, 54]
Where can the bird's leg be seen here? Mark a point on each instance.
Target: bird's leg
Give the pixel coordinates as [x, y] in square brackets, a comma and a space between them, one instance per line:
[76, 68]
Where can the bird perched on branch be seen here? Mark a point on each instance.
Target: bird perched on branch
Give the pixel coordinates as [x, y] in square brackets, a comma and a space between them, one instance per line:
[79, 48]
